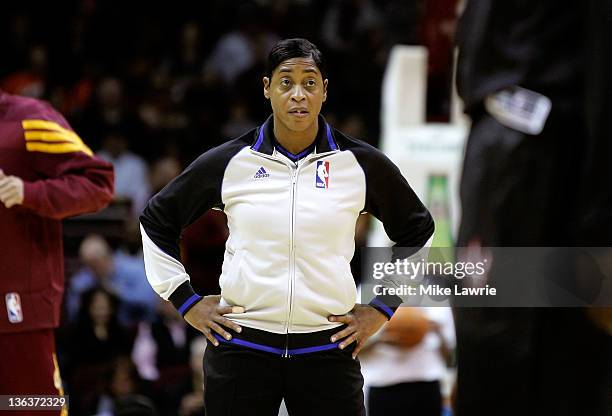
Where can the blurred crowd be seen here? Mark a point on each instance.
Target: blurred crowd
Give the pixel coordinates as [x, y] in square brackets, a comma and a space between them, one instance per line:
[150, 86]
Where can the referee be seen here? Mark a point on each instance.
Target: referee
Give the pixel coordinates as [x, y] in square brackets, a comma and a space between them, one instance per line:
[286, 325]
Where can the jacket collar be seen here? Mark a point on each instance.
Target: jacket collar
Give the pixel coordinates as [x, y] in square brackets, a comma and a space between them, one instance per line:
[264, 137]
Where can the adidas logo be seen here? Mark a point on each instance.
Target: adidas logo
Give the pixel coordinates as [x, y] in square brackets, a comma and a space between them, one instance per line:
[261, 173]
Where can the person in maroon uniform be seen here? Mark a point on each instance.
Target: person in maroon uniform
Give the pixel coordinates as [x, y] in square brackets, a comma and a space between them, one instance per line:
[47, 173]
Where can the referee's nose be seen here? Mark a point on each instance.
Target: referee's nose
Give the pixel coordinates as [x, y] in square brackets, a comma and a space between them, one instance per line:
[297, 94]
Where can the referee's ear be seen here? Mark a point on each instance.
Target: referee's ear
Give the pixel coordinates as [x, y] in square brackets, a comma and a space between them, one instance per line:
[266, 90]
[325, 82]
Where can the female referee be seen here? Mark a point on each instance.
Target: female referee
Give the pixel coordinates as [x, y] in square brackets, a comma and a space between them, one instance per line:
[286, 325]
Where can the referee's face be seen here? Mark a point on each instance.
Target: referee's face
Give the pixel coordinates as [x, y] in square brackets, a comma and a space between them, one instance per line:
[296, 91]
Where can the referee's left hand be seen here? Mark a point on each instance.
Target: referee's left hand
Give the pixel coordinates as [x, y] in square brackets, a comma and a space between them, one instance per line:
[362, 322]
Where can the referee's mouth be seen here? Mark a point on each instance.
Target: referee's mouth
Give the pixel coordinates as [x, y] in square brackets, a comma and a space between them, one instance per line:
[299, 112]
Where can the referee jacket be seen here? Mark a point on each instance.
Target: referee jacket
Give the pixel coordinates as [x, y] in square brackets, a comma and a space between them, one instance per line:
[291, 226]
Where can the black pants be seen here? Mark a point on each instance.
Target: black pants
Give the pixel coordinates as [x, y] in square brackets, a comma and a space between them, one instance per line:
[243, 381]
[421, 398]
[519, 191]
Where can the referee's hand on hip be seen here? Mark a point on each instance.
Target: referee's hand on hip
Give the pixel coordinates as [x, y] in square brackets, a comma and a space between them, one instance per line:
[362, 322]
[207, 316]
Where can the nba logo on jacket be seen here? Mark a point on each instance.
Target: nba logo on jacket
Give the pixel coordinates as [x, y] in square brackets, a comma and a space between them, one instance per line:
[13, 307]
[322, 174]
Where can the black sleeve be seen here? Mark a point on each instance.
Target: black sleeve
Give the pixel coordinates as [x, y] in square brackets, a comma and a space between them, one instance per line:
[183, 201]
[390, 198]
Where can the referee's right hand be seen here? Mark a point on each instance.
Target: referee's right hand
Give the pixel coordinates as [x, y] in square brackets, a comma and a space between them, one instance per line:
[207, 316]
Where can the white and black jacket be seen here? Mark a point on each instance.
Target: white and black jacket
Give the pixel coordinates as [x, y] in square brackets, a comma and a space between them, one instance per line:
[291, 226]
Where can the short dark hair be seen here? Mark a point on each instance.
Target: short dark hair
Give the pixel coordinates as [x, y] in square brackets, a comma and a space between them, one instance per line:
[294, 48]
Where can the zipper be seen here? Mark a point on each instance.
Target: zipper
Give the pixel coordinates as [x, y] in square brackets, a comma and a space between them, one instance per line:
[286, 353]
[293, 179]
[294, 175]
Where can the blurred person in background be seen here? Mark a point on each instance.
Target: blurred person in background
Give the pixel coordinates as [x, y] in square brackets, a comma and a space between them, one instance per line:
[47, 174]
[236, 51]
[31, 82]
[406, 362]
[110, 112]
[123, 392]
[192, 402]
[346, 21]
[97, 335]
[354, 31]
[135, 405]
[91, 344]
[117, 273]
[163, 171]
[534, 110]
[185, 62]
[162, 354]
[239, 121]
[437, 32]
[131, 171]
[287, 325]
